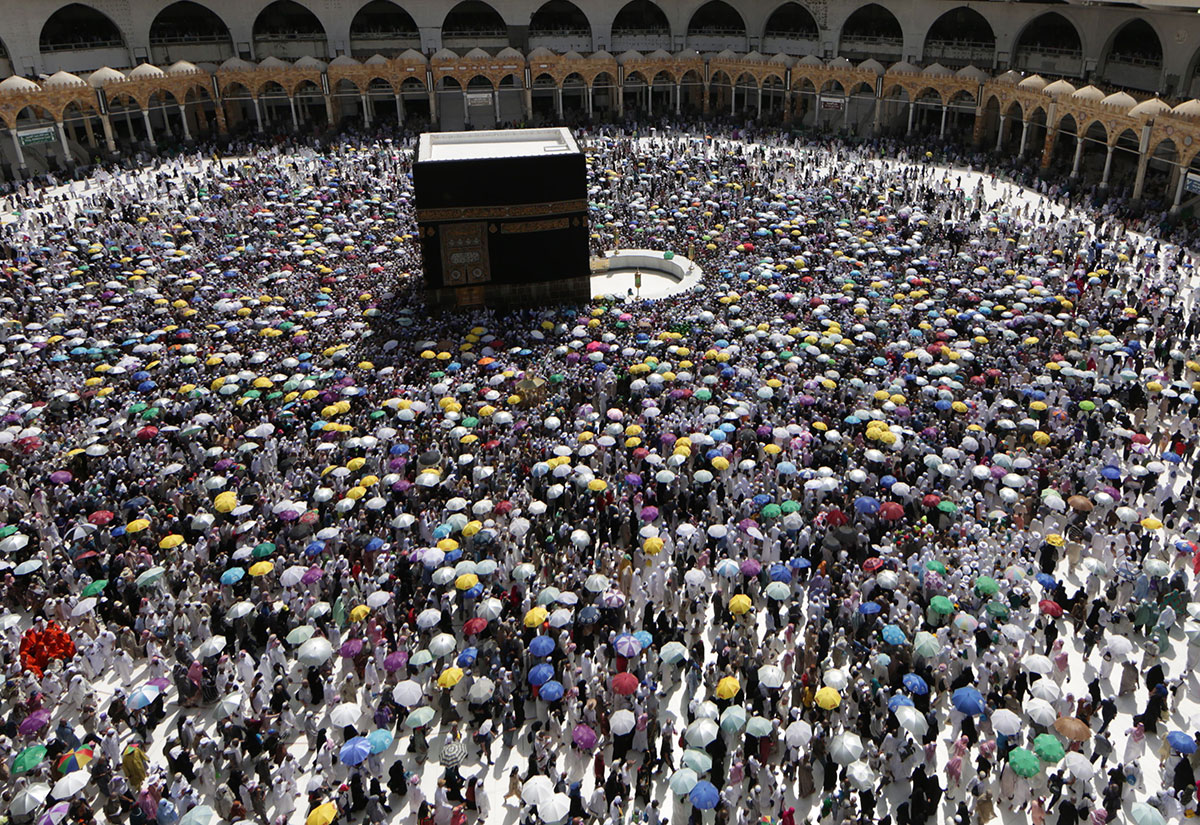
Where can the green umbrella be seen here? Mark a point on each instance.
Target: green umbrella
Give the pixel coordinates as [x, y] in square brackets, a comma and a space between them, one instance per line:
[264, 549]
[733, 719]
[1087, 406]
[470, 421]
[703, 395]
[947, 506]
[95, 587]
[301, 634]
[997, 609]
[758, 726]
[987, 586]
[150, 576]
[697, 760]
[941, 605]
[789, 507]
[419, 717]
[936, 566]
[29, 758]
[926, 644]
[1023, 762]
[7, 530]
[771, 511]
[1048, 748]
[682, 781]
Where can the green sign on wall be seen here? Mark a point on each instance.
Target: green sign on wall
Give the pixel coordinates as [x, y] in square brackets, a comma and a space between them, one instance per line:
[32, 137]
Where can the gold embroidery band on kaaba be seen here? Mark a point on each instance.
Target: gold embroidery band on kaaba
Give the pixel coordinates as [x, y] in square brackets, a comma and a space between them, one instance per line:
[483, 213]
[534, 226]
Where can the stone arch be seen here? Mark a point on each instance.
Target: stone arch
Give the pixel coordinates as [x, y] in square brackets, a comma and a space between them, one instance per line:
[187, 30]
[560, 25]
[641, 25]
[1133, 56]
[382, 27]
[288, 30]
[871, 31]
[717, 25]
[79, 27]
[1049, 43]
[960, 37]
[790, 21]
[474, 23]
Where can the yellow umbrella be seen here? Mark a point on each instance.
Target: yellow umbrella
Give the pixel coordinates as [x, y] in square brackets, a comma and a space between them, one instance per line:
[739, 604]
[261, 568]
[137, 525]
[359, 613]
[225, 502]
[653, 545]
[450, 677]
[728, 687]
[597, 485]
[536, 616]
[446, 545]
[720, 463]
[1055, 539]
[322, 814]
[466, 581]
[828, 698]
[471, 528]
[171, 541]
[1151, 523]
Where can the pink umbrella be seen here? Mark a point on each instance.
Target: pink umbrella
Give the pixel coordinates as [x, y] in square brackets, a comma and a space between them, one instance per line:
[751, 567]
[34, 722]
[584, 737]
[60, 476]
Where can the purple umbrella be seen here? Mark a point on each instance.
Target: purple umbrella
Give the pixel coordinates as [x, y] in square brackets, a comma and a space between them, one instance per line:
[289, 515]
[313, 574]
[34, 722]
[584, 737]
[612, 599]
[395, 660]
[633, 480]
[55, 815]
[161, 683]
[649, 514]
[751, 567]
[351, 648]
[60, 476]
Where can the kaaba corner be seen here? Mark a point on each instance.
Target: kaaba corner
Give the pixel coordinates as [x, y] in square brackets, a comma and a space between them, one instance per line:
[502, 216]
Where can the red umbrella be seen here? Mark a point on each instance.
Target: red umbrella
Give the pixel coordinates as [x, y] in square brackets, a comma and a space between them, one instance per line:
[624, 683]
[474, 626]
[147, 433]
[891, 511]
[836, 518]
[101, 517]
[1140, 438]
[1050, 607]
[931, 500]
[872, 564]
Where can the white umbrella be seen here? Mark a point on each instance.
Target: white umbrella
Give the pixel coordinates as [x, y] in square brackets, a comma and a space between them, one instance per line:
[770, 676]
[536, 789]
[481, 690]
[84, 606]
[242, 608]
[379, 598]
[1012, 632]
[622, 722]
[1041, 712]
[798, 734]
[30, 799]
[1046, 689]
[212, 646]
[846, 748]
[1005, 722]
[860, 775]
[229, 705]
[836, 679]
[1119, 646]
[407, 693]
[200, 815]
[291, 577]
[490, 609]
[701, 733]
[1037, 663]
[71, 784]
[345, 714]
[1079, 765]
[554, 808]
[429, 617]
[315, 651]
[912, 720]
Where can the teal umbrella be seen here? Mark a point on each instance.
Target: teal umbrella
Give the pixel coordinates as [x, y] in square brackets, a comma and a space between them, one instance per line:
[419, 717]
[1023, 762]
[733, 719]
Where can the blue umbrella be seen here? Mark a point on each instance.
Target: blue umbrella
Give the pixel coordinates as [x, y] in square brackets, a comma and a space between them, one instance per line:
[1110, 472]
[799, 563]
[968, 700]
[914, 684]
[761, 499]
[374, 545]
[645, 638]
[1046, 580]
[893, 635]
[869, 608]
[1172, 457]
[899, 700]
[467, 657]
[314, 548]
[704, 795]
[780, 573]
[541, 674]
[380, 740]
[355, 750]
[552, 691]
[866, 505]
[233, 575]
[1181, 742]
[541, 645]
[588, 615]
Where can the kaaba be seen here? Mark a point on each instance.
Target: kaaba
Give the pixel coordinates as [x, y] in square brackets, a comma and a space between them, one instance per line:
[502, 216]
